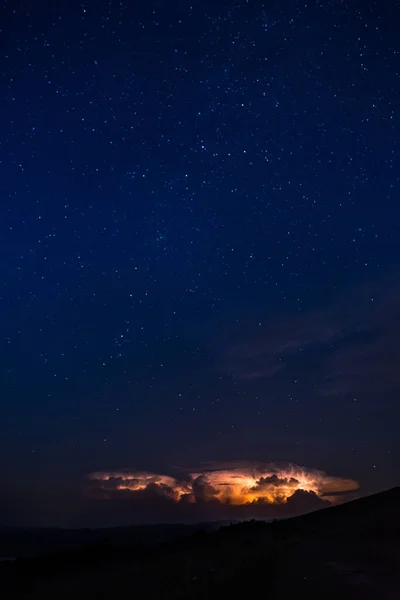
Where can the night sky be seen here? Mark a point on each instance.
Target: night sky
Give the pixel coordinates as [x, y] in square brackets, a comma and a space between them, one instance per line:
[200, 253]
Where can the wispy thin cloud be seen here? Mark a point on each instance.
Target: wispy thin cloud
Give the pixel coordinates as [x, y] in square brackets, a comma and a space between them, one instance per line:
[355, 342]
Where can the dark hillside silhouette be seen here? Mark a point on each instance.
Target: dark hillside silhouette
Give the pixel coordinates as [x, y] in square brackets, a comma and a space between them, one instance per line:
[351, 550]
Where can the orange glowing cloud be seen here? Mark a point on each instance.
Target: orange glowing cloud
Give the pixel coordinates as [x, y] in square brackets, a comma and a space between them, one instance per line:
[238, 484]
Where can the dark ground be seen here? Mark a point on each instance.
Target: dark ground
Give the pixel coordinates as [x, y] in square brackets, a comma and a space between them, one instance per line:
[350, 551]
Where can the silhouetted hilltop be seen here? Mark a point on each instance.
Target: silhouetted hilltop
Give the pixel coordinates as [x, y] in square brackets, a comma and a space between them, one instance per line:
[350, 550]
[378, 514]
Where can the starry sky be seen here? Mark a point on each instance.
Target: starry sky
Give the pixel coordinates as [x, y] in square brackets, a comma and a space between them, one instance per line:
[200, 245]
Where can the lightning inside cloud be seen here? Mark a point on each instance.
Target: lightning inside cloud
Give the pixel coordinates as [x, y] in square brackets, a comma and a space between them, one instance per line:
[235, 484]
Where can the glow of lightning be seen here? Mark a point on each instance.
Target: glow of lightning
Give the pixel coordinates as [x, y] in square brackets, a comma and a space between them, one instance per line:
[237, 485]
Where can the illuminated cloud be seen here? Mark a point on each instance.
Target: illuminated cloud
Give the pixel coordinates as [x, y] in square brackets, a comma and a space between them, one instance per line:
[140, 481]
[241, 484]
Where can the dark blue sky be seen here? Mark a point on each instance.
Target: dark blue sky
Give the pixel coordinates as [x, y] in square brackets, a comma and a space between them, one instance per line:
[200, 240]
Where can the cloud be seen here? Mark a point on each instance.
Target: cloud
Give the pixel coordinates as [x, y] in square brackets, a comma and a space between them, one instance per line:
[368, 359]
[265, 483]
[301, 502]
[268, 352]
[140, 483]
[202, 489]
[352, 344]
[239, 490]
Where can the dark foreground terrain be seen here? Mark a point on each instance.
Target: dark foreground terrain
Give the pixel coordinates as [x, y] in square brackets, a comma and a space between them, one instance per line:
[349, 551]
